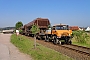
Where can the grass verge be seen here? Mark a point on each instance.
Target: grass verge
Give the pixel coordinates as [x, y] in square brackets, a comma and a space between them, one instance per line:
[25, 45]
[81, 44]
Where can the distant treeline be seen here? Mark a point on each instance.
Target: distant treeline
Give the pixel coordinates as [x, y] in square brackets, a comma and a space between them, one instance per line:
[7, 28]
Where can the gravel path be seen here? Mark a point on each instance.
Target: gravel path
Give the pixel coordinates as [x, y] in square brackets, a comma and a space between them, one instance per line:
[14, 53]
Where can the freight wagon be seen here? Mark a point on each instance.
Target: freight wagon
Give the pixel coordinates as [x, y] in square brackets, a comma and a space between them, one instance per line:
[42, 23]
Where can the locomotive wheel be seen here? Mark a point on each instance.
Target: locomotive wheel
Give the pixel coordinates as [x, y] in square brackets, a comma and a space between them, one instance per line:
[55, 40]
[70, 42]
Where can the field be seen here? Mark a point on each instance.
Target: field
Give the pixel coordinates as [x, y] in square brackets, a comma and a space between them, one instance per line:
[81, 38]
[26, 45]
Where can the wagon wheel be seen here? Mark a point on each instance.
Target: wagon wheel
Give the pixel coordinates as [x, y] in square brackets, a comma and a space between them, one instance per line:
[37, 36]
[47, 38]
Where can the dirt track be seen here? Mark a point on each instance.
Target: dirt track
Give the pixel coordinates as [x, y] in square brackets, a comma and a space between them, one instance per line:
[14, 53]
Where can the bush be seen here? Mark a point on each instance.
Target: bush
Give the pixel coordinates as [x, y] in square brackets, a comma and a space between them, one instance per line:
[20, 31]
[80, 36]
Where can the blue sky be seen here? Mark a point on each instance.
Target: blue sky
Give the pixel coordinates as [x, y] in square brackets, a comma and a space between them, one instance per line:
[72, 12]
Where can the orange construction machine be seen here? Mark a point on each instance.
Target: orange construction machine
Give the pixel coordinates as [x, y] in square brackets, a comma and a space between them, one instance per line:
[59, 34]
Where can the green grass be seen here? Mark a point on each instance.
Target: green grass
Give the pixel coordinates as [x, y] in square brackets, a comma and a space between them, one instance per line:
[25, 45]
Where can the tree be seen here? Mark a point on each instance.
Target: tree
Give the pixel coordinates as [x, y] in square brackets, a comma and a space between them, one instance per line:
[49, 26]
[35, 29]
[18, 25]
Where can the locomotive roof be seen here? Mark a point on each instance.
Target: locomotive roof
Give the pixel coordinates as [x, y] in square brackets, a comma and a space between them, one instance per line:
[60, 25]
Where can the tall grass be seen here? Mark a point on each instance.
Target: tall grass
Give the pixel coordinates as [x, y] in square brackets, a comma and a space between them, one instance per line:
[81, 37]
[25, 45]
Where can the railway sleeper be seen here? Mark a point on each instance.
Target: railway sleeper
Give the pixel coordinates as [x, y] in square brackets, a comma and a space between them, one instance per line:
[82, 52]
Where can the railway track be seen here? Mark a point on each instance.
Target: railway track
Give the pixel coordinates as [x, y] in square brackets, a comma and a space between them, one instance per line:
[79, 49]
[76, 48]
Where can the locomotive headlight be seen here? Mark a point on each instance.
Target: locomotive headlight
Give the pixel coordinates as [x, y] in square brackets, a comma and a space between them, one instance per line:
[69, 34]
